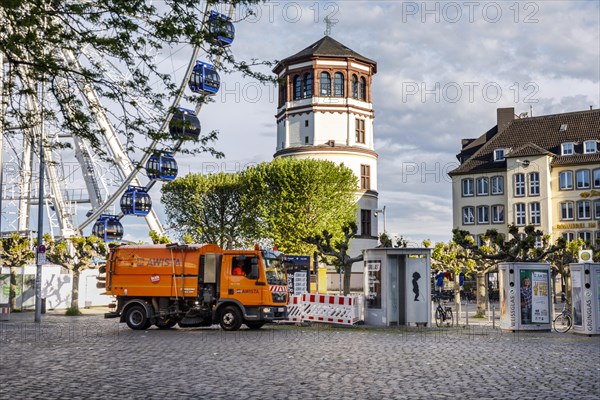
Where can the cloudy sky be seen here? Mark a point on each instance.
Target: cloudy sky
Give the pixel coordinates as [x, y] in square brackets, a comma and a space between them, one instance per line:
[443, 70]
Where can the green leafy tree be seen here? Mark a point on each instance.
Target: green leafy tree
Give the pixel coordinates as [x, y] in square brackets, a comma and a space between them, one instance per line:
[76, 253]
[292, 199]
[560, 260]
[402, 242]
[336, 251]
[16, 252]
[530, 245]
[385, 240]
[451, 257]
[68, 45]
[158, 238]
[208, 209]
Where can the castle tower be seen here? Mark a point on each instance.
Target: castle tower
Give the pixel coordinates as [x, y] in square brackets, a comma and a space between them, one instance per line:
[325, 112]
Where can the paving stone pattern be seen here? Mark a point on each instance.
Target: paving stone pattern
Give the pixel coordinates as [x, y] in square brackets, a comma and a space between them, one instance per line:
[93, 358]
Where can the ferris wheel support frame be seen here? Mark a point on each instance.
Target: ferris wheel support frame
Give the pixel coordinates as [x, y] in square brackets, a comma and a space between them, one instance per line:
[132, 176]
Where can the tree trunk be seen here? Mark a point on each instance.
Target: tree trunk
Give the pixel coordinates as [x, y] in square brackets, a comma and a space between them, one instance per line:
[347, 276]
[457, 294]
[12, 294]
[75, 289]
[482, 292]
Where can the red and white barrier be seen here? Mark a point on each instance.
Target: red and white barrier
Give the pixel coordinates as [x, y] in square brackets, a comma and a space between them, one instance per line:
[333, 309]
[4, 312]
[295, 309]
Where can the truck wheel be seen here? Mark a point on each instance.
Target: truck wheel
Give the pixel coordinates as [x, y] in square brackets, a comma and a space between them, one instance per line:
[231, 318]
[136, 318]
[254, 324]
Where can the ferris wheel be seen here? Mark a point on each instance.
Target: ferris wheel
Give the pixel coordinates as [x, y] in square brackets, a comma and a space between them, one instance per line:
[82, 190]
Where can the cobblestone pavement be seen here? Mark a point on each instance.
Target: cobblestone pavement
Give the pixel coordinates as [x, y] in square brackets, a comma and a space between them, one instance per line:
[90, 357]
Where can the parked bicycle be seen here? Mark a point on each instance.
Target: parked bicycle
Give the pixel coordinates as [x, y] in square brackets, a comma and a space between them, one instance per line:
[443, 313]
[563, 321]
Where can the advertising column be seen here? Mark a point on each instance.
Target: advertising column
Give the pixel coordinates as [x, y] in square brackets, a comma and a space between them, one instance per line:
[585, 300]
[525, 296]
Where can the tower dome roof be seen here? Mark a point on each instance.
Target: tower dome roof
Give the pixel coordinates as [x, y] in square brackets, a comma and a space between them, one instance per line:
[325, 47]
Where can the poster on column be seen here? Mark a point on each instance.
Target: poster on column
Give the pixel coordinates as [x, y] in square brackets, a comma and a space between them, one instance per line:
[374, 284]
[540, 307]
[577, 289]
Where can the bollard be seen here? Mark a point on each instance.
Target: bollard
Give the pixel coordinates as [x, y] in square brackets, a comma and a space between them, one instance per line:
[494, 317]
[488, 310]
[467, 313]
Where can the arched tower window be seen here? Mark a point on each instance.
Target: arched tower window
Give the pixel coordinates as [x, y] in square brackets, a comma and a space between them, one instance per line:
[354, 87]
[308, 85]
[282, 93]
[325, 84]
[297, 87]
[363, 89]
[338, 84]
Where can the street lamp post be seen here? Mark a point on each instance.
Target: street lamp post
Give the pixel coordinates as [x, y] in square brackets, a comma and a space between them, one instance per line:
[384, 219]
[40, 253]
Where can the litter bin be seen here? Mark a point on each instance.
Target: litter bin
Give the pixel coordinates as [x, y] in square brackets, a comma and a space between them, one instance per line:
[585, 295]
[43, 305]
[4, 312]
[525, 297]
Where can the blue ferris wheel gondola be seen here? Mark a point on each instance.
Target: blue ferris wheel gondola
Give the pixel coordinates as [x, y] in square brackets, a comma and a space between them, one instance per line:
[184, 125]
[204, 79]
[136, 201]
[108, 228]
[161, 166]
[222, 27]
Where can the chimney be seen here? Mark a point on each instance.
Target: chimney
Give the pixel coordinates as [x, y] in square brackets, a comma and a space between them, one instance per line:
[504, 117]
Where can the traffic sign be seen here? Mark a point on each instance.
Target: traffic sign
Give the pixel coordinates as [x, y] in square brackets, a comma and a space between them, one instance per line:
[41, 249]
[41, 259]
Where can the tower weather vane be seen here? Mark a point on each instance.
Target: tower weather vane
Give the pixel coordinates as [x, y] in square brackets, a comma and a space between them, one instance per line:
[329, 24]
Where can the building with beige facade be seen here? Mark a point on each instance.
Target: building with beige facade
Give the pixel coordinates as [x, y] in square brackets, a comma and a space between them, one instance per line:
[542, 171]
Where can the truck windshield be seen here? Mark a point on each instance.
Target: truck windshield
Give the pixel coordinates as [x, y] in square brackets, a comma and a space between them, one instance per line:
[275, 272]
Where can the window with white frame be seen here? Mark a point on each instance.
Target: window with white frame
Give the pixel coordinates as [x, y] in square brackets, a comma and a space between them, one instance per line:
[499, 155]
[497, 183]
[468, 216]
[520, 217]
[596, 209]
[583, 179]
[566, 211]
[596, 178]
[568, 236]
[519, 185]
[566, 180]
[467, 187]
[590, 146]
[567, 149]
[584, 209]
[538, 242]
[534, 183]
[497, 214]
[480, 240]
[483, 215]
[586, 236]
[483, 186]
[534, 213]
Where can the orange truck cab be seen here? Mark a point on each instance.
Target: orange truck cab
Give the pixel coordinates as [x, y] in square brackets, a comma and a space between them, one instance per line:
[195, 285]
